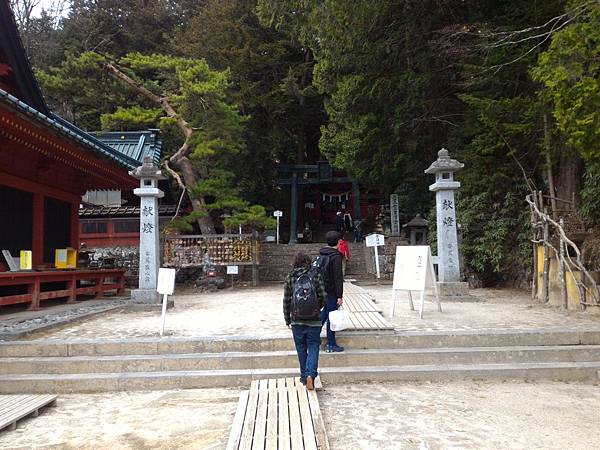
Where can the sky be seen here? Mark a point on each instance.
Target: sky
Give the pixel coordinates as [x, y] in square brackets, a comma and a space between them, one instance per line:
[47, 4]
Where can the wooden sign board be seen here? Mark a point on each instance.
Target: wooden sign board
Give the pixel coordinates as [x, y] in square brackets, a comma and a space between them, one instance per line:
[166, 281]
[413, 271]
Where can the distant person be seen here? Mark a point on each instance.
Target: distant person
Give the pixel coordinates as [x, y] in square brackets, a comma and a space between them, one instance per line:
[339, 222]
[329, 263]
[303, 297]
[347, 222]
[345, 251]
[358, 234]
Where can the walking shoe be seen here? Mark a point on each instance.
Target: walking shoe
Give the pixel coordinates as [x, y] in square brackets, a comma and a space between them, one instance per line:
[334, 349]
[310, 385]
[303, 381]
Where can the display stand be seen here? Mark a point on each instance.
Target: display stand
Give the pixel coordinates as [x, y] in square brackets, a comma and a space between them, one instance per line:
[413, 271]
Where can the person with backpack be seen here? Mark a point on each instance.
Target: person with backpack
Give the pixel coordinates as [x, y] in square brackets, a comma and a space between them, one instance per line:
[303, 298]
[329, 263]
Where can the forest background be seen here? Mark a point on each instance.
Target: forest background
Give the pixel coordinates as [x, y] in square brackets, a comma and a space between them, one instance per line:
[511, 88]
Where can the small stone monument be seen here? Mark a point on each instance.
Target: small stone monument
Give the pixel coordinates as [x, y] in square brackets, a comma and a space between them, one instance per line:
[149, 193]
[416, 230]
[447, 243]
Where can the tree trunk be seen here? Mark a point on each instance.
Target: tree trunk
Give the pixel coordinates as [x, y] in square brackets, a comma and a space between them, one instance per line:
[569, 181]
[198, 204]
[179, 158]
[549, 173]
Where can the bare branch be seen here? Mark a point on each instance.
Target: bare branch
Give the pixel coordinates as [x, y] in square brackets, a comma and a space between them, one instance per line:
[577, 263]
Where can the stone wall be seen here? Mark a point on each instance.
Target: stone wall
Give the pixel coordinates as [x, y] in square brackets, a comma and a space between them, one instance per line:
[276, 260]
[126, 258]
[387, 257]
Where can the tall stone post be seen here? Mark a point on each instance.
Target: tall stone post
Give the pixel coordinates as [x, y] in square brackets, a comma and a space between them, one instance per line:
[447, 243]
[149, 193]
[294, 210]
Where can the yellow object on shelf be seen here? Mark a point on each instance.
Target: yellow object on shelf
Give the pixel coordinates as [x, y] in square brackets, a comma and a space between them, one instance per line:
[25, 260]
[65, 258]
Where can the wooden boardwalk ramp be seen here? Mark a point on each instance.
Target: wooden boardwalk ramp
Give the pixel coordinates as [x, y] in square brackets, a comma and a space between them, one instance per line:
[16, 407]
[365, 314]
[278, 414]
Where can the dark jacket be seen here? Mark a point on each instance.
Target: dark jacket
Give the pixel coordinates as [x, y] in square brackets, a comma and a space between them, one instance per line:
[335, 277]
[288, 290]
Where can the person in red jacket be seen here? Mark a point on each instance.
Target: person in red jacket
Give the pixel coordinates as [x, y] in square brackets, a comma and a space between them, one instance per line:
[345, 251]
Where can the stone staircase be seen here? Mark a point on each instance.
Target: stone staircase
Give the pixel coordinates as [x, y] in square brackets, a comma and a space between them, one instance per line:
[276, 260]
[55, 366]
[357, 266]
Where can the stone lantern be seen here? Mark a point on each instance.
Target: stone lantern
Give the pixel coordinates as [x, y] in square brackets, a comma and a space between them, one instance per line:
[416, 230]
[447, 243]
[149, 193]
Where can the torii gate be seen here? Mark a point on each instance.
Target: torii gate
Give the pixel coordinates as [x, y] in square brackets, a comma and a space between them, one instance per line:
[322, 173]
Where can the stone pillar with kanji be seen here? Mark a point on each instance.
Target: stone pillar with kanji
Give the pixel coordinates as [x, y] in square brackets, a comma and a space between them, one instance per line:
[149, 193]
[447, 243]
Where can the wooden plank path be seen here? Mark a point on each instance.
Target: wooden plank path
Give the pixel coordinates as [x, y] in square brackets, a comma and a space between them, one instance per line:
[278, 414]
[16, 407]
[365, 314]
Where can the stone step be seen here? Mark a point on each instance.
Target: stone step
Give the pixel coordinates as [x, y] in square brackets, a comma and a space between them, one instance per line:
[104, 382]
[350, 340]
[288, 359]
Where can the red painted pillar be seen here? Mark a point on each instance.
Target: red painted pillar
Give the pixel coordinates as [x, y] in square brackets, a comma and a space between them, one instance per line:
[37, 240]
[75, 225]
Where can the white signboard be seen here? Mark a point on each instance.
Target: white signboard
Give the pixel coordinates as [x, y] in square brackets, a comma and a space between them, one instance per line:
[413, 271]
[375, 240]
[233, 270]
[166, 281]
[395, 214]
[165, 286]
[278, 214]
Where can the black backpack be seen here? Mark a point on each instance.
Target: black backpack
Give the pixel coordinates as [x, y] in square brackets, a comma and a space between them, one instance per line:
[305, 304]
[321, 264]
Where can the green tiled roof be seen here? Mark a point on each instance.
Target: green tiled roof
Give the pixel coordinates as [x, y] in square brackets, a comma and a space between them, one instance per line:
[133, 144]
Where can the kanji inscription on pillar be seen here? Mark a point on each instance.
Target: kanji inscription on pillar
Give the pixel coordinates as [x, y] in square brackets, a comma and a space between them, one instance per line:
[149, 194]
[447, 241]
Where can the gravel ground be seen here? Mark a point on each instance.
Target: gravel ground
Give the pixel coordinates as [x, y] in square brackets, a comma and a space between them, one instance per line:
[258, 312]
[461, 415]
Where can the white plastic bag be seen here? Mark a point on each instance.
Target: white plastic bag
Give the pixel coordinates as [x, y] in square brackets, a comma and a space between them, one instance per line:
[339, 320]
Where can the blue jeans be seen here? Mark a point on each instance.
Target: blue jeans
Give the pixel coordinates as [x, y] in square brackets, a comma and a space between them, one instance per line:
[307, 340]
[331, 305]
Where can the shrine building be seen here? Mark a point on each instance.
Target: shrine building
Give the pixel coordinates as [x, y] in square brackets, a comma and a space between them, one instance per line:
[46, 165]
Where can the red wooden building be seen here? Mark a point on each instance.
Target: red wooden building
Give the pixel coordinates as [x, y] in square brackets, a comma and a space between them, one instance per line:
[46, 164]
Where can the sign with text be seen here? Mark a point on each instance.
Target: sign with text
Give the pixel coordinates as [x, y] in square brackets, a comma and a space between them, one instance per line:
[412, 268]
[233, 270]
[375, 240]
[277, 213]
[166, 281]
